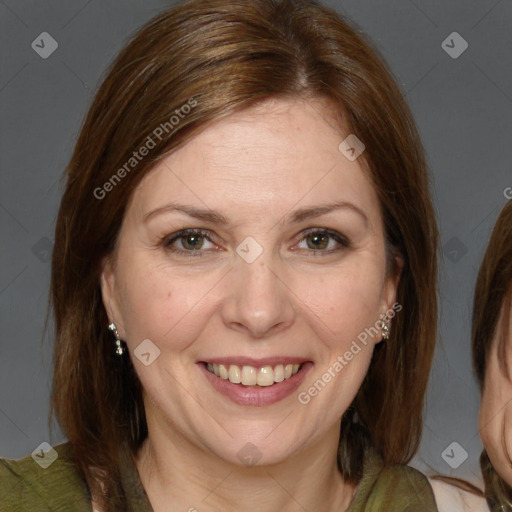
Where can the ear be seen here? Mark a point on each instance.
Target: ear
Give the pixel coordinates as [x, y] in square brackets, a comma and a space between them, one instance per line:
[109, 293]
[390, 288]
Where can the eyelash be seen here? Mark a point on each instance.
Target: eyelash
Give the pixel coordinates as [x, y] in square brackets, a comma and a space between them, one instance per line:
[338, 237]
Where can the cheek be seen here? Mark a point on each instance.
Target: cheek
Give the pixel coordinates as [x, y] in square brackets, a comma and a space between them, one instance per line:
[157, 303]
[496, 433]
[495, 421]
[346, 301]
[487, 423]
[164, 304]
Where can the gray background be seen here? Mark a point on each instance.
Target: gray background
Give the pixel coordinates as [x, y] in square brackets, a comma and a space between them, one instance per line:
[463, 107]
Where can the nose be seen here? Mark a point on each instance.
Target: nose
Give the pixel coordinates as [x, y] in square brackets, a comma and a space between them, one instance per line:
[259, 302]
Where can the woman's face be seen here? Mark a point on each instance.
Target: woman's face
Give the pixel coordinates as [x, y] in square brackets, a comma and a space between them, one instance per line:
[495, 417]
[256, 290]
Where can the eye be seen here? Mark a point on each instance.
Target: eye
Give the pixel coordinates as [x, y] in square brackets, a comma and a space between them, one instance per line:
[317, 240]
[191, 241]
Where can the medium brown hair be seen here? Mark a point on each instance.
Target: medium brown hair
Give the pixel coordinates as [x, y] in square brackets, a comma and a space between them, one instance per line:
[228, 56]
[492, 308]
[493, 296]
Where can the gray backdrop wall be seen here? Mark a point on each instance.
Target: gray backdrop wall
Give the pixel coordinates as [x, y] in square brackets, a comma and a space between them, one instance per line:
[458, 85]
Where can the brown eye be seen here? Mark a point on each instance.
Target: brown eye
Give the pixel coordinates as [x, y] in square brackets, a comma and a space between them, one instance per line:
[319, 241]
[190, 241]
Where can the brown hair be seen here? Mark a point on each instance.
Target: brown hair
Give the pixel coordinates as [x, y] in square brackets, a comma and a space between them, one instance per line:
[492, 301]
[493, 296]
[224, 56]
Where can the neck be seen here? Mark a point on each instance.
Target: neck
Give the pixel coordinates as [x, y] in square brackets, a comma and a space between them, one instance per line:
[179, 476]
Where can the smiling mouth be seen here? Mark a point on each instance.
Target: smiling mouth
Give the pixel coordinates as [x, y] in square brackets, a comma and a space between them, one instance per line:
[263, 376]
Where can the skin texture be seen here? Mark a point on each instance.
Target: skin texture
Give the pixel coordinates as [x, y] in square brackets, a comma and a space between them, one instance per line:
[450, 498]
[256, 168]
[495, 417]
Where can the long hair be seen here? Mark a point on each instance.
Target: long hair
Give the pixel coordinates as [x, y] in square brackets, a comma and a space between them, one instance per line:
[493, 294]
[218, 57]
[492, 299]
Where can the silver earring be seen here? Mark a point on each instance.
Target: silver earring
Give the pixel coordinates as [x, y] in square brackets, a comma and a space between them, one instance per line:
[119, 348]
[385, 328]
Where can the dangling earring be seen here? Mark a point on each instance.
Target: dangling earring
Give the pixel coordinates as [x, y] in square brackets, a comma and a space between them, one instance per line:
[119, 348]
[385, 328]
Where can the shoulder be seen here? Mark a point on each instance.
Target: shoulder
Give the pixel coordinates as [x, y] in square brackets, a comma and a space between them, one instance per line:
[451, 498]
[406, 488]
[396, 488]
[51, 484]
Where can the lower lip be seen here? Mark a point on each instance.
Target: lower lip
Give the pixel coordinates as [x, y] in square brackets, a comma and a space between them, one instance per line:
[255, 395]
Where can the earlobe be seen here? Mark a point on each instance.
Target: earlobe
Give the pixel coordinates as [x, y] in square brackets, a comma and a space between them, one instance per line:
[389, 304]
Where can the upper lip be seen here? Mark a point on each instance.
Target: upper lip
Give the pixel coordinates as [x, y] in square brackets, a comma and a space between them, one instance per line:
[257, 363]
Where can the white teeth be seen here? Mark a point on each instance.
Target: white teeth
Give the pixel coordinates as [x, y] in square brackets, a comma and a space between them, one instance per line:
[234, 374]
[279, 373]
[223, 372]
[265, 376]
[251, 376]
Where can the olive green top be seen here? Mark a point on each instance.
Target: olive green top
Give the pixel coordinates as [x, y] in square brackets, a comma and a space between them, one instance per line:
[25, 486]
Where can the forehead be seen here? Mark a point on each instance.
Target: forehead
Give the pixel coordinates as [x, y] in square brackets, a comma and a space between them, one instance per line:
[276, 154]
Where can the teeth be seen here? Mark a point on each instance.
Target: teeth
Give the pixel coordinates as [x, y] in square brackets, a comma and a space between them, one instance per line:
[251, 376]
[223, 372]
[265, 376]
[279, 373]
[234, 374]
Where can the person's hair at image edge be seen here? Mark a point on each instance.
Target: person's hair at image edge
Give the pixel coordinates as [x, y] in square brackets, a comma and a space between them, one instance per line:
[225, 56]
[493, 297]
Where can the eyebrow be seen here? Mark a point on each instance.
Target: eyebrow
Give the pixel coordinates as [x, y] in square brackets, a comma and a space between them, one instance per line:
[213, 217]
